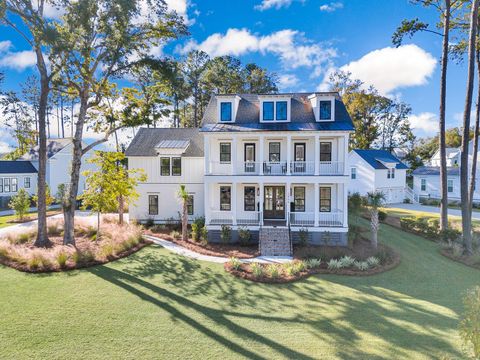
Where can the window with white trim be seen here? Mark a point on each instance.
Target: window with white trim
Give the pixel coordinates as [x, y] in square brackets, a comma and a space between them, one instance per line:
[423, 184]
[26, 182]
[226, 111]
[152, 204]
[325, 110]
[450, 185]
[353, 172]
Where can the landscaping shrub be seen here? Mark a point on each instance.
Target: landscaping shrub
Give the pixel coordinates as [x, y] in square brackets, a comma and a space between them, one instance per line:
[334, 264]
[273, 270]
[303, 236]
[450, 235]
[361, 265]
[313, 263]
[299, 266]
[290, 269]
[200, 221]
[373, 261]
[175, 234]
[244, 236]
[149, 223]
[346, 261]
[158, 228]
[407, 201]
[235, 263]
[382, 215]
[204, 234]
[469, 325]
[173, 224]
[226, 234]
[257, 269]
[195, 232]
[20, 203]
[457, 249]
[61, 257]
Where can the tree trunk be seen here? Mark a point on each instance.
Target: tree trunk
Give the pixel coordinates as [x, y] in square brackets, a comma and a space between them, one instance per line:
[185, 221]
[473, 172]
[121, 207]
[466, 213]
[42, 235]
[374, 226]
[441, 121]
[97, 237]
[71, 201]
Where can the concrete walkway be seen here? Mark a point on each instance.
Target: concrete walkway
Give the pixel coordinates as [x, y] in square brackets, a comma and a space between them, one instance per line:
[177, 249]
[432, 209]
[31, 210]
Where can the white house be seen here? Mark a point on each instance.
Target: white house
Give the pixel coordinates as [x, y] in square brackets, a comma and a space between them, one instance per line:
[273, 164]
[453, 157]
[15, 175]
[378, 170]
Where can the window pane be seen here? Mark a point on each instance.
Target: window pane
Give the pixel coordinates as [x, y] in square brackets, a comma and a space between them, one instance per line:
[325, 110]
[225, 198]
[226, 111]
[299, 199]
[325, 151]
[190, 205]
[153, 204]
[225, 152]
[165, 166]
[274, 151]
[354, 173]
[249, 198]
[14, 185]
[423, 184]
[1, 185]
[325, 199]
[281, 110]
[268, 110]
[27, 183]
[176, 166]
[6, 183]
[299, 152]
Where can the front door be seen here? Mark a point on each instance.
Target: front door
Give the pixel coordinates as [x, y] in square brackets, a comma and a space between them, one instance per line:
[274, 202]
[250, 158]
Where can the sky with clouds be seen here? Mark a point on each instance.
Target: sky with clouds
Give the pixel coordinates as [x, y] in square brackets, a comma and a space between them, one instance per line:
[303, 41]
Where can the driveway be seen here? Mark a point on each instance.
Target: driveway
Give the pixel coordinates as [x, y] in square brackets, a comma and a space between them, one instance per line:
[432, 209]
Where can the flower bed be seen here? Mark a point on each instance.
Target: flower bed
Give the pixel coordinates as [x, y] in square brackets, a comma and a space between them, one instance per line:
[299, 269]
[454, 251]
[116, 241]
[204, 248]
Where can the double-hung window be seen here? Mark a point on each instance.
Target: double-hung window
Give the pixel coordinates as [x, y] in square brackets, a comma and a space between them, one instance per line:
[152, 204]
[26, 182]
[299, 199]
[1, 185]
[268, 110]
[225, 152]
[281, 110]
[190, 205]
[325, 110]
[225, 198]
[325, 151]
[249, 198]
[225, 111]
[274, 152]
[423, 184]
[353, 171]
[6, 185]
[450, 185]
[391, 173]
[165, 166]
[325, 199]
[14, 184]
[176, 166]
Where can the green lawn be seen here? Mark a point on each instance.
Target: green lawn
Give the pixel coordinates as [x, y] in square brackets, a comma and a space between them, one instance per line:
[4, 220]
[158, 305]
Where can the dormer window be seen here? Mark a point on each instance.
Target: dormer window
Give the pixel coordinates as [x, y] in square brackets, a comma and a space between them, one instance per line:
[281, 110]
[272, 110]
[225, 111]
[325, 110]
[268, 110]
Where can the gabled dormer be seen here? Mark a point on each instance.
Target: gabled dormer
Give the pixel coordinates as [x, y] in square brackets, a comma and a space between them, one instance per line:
[227, 107]
[323, 106]
[275, 108]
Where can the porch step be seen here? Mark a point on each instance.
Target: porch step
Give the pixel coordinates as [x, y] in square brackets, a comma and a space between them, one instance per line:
[275, 241]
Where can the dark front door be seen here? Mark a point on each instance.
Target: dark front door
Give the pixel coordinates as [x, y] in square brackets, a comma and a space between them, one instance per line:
[274, 202]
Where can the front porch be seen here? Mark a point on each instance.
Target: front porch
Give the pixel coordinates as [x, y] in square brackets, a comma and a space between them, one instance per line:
[298, 205]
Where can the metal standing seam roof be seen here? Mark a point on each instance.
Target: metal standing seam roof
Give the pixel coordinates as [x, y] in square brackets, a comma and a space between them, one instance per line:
[173, 144]
[375, 158]
[16, 167]
[435, 170]
[302, 117]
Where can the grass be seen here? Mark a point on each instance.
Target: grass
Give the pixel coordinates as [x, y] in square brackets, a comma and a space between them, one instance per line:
[4, 220]
[158, 305]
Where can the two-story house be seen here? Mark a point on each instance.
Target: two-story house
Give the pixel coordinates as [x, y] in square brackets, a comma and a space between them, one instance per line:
[273, 164]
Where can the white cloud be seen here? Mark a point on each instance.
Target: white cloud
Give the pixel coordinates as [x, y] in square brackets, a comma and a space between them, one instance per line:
[5, 46]
[391, 68]
[277, 4]
[331, 7]
[293, 49]
[287, 81]
[424, 124]
[18, 60]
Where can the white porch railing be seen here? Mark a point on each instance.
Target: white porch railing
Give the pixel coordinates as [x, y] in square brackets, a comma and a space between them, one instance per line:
[251, 218]
[275, 168]
[302, 167]
[331, 168]
[248, 168]
[221, 218]
[220, 168]
[330, 219]
[302, 219]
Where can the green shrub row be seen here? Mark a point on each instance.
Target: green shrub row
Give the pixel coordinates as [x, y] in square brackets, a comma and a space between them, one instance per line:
[429, 228]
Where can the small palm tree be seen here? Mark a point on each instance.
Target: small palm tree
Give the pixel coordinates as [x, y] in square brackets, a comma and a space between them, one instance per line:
[374, 201]
[183, 196]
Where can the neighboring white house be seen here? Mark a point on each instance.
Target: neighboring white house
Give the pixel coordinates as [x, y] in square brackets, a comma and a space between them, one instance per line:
[15, 175]
[267, 163]
[378, 170]
[453, 157]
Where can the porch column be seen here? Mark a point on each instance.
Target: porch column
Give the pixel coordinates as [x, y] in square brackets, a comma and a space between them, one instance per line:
[317, 155]
[261, 143]
[316, 203]
[234, 203]
[207, 206]
[289, 152]
[345, 158]
[345, 204]
[234, 156]
[260, 201]
[207, 154]
[288, 199]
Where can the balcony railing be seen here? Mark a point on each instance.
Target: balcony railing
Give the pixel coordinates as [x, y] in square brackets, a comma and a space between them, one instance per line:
[271, 168]
[302, 219]
[331, 219]
[221, 218]
[251, 218]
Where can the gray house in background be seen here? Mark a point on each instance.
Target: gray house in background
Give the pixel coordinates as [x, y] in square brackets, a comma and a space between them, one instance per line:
[15, 175]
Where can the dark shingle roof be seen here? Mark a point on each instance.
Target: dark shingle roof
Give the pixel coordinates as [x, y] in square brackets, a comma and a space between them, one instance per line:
[375, 158]
[435, 170]
[53, 147]
[302, 116]
[147, 139]
[16, 167]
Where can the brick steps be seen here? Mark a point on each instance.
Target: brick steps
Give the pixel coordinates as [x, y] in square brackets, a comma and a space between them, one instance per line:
[275, 241]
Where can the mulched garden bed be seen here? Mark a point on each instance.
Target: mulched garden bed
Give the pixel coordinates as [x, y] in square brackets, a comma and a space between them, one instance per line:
[222, 250]
[466, 260]
[32, 217]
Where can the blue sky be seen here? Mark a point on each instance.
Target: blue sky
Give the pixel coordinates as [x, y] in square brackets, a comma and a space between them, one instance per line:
[304, 40]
